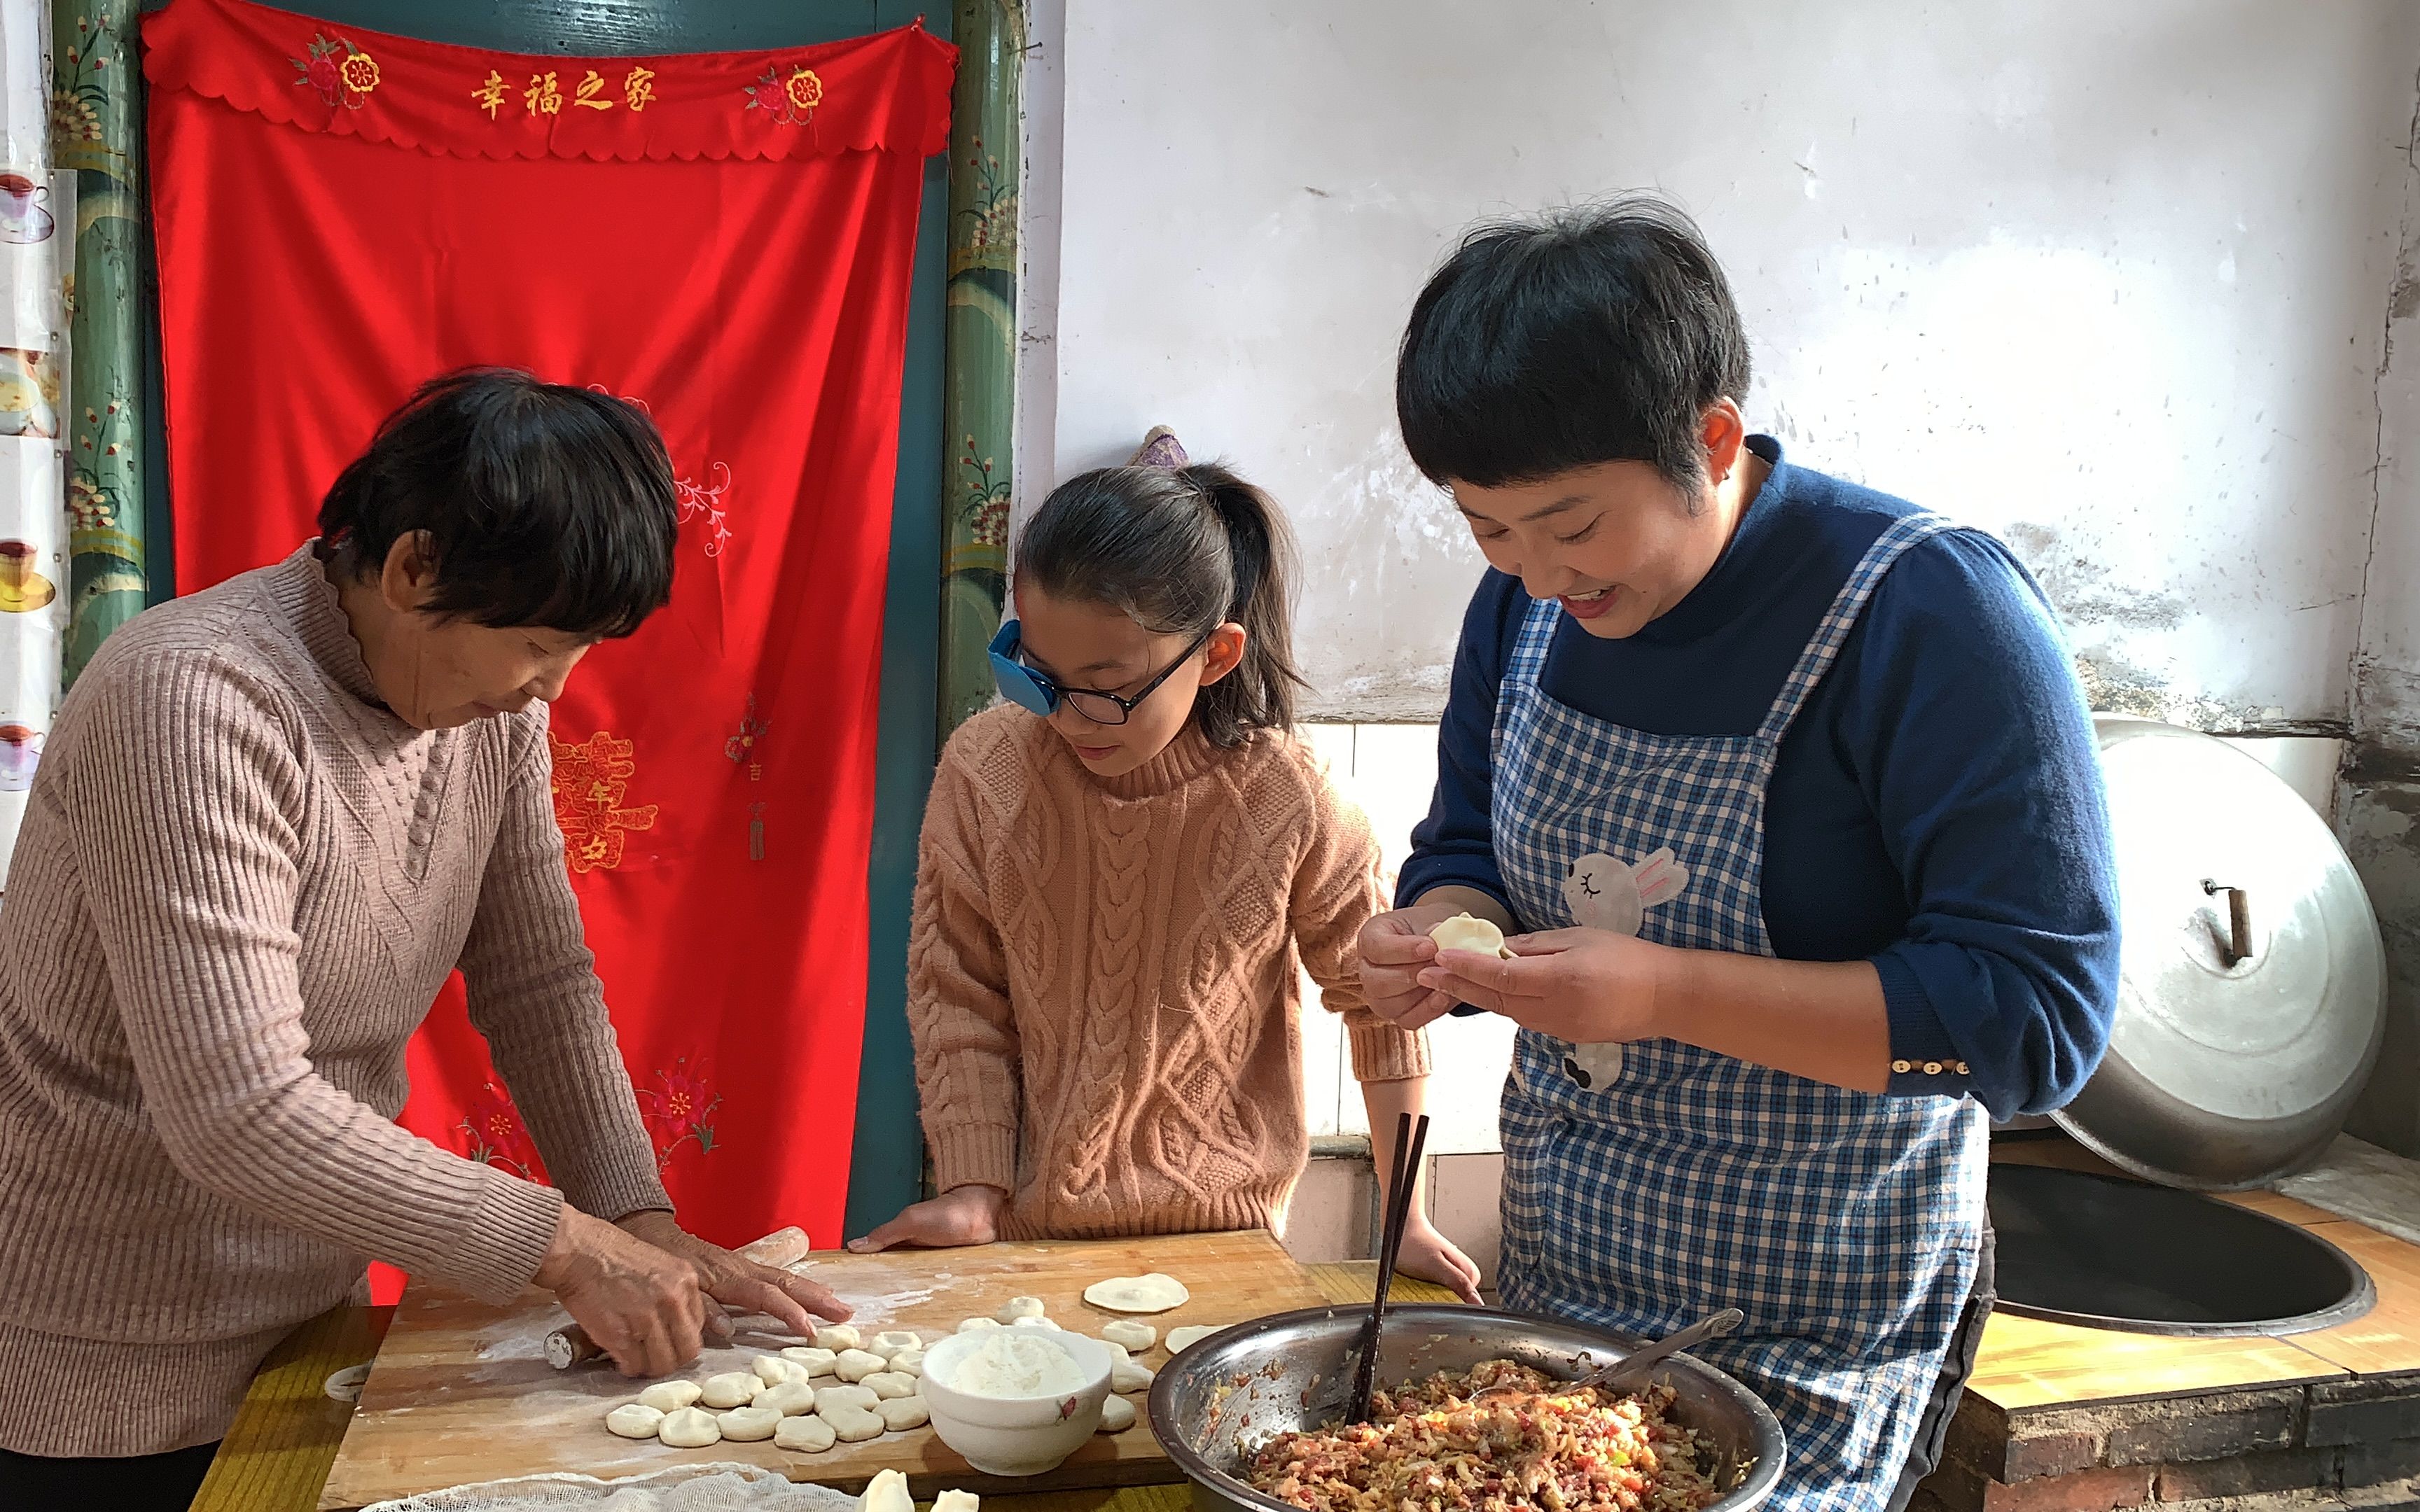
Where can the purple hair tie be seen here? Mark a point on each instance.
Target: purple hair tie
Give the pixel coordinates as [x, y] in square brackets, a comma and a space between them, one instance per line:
[1160, 449]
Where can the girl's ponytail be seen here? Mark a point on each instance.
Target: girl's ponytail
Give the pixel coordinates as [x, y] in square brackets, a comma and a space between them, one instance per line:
[1259, 693]
[1180, 550]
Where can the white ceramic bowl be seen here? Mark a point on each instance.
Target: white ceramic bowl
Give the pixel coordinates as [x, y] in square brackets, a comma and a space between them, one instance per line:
[1017, 1435]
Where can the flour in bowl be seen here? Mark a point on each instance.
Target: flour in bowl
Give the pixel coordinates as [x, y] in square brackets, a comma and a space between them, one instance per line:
[1017, 1362]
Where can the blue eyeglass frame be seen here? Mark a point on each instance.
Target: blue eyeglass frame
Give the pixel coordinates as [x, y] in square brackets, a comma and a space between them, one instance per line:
[1036, 694]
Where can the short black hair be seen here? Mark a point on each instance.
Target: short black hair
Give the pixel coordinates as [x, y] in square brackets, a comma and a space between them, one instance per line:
[544, 504]
[1598, 333]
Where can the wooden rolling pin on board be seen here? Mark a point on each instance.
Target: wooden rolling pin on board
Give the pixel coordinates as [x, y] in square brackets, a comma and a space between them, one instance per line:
[570, 1345]
[462, 1392]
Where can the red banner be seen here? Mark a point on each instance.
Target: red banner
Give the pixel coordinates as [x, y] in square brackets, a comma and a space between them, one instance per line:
[726, 238]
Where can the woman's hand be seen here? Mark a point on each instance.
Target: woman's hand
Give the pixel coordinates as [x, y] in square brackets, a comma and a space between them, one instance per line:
[1395, 951]
[639, 1304]
[1590, 986]
[736, 1283]
[1429, 1256]
[962, 1215]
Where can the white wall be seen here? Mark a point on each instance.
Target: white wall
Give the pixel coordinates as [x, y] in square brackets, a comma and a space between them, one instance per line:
[2109, 280]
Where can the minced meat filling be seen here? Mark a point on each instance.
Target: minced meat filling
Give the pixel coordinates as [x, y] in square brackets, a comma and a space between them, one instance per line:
[1433, 1447]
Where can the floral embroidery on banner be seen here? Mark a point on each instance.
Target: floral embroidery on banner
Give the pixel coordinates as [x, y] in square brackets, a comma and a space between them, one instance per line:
[341, 73]
[493, 1133]
[591, 779]
[675, 1111]
[695, 499]
[789, 100]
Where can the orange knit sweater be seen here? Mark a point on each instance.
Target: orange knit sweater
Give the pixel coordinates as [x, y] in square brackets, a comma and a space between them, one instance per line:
[1102, 977]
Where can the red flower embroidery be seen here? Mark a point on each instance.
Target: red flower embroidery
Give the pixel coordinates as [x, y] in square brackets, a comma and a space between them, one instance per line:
[324, 77]
[790, 99]
[675, 1110]
[341, 74]
[493, 1134]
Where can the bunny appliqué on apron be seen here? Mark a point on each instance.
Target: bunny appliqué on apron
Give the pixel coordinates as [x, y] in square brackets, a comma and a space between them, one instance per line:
[1605, 893]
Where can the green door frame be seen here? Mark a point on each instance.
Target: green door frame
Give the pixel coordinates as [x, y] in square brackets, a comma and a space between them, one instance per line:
[886, 1171]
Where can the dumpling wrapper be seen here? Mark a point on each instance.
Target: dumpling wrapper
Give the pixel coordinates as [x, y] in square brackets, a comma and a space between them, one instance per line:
[1468, 931]
[1137, 1338]
[891, 1342]
[1182, 1339]
[1153, 1293]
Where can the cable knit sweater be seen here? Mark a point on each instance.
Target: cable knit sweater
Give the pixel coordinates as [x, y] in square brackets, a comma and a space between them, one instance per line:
[240, 883]
[1124, 952]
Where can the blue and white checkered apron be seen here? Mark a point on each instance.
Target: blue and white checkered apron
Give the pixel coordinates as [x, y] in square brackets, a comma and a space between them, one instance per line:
[1846, 1226]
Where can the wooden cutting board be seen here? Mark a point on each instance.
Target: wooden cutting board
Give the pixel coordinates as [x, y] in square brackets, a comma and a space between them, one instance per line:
[460, 1391]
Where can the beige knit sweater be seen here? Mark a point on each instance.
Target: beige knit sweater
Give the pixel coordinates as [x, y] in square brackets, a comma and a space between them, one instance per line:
[1102, 977]
[240, 883]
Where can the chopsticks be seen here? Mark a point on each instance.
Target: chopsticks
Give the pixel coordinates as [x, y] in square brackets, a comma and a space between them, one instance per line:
[1410, 1139]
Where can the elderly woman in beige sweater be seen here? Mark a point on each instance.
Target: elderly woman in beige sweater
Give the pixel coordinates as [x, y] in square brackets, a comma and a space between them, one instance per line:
[272, 817]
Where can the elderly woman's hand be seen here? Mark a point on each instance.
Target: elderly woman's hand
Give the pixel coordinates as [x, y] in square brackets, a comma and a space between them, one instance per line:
[639, 1304]
[736, 1283]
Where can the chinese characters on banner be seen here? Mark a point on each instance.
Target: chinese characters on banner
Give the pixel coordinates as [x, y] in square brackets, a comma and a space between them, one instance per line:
[724, 239]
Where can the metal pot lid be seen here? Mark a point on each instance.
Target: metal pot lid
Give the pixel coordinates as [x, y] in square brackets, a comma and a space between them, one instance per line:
[2251, 996]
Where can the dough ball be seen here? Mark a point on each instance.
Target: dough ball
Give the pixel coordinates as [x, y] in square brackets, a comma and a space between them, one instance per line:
[891, 1343]
[976, 1325]
[804, 1435]
[889, 1384]
[747, 1424]
[817, 1361]
[835, 1396]
[1119, 1354]
[690, 1429]
[958, 1502]
[671, 1395]
[909, 1361]
[1117, 1416]
[634, 1420]
[1127, 1376]
[1037, 1322]
[856, 1365]
[1153, 1293]
[790, 1399]
[852, 1424]
[1467, 931]
[1182, 1339]
[733, 1388]
[900, 1414]
[772, 1371]
[1136, 1337]
[838, 1336]
[886, 1492]
[1016, 1307]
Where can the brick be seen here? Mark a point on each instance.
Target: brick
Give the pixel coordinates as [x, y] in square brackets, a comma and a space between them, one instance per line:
[2292, 1470]
[2365, 1411]
[1960, 1488]
[2012, 1448]
[2310, 1501]
[2217, 1426]
[2380, 1463]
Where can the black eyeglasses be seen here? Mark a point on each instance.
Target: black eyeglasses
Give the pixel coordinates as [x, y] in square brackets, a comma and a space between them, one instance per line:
[1029, 689]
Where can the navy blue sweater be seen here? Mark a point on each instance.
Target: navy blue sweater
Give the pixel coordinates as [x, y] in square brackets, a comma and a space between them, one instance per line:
[1937, 807]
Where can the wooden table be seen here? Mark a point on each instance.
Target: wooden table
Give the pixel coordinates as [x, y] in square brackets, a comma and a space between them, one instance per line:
[285, 1437]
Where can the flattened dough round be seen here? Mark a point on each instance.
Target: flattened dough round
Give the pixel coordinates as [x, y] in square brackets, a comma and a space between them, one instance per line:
[1153, 1293]
[747, 1424]
[690, 1429]
[856, 1365]
[773, 1371]
[804, 1435]
[1117, 1416]
[976, 1325]
[1137, 1338]
[1468, 931]
[1016, 1307]
[837, 1396]
[1037, 1322]
[852, 1424]
[634, 1420]
[838, 1336]
[818, 1361]
[889, 1384]
[733, 1388]
[1127, 1376]
[671, 1395]
[1182, 1339]
[909, 1361]
[900, 1414]
[790, 1399]
[891, 1342]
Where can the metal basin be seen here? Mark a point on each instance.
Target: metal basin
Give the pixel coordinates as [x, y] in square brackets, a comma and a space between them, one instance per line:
[2093, 1250]
[1295, 1373]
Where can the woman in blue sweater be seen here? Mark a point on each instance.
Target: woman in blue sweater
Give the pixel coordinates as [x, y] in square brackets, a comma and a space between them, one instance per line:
[1787, 795]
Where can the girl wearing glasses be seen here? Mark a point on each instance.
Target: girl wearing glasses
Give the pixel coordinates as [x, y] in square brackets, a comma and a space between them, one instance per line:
[1120, 868]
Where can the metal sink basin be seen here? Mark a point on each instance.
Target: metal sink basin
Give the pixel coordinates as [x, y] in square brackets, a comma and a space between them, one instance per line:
[2105, 1253]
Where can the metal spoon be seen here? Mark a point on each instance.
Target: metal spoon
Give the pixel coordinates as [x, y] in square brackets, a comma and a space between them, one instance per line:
[1632, 1366]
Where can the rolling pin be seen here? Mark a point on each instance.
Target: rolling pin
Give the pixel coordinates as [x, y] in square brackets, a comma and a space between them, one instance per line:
[570, 1345]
